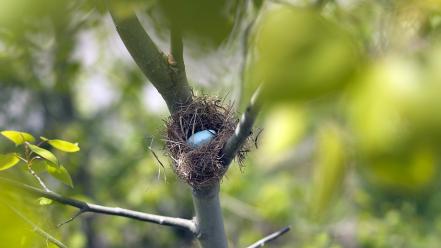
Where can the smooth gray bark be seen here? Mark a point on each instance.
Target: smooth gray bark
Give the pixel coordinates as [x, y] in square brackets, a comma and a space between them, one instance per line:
[209, 220]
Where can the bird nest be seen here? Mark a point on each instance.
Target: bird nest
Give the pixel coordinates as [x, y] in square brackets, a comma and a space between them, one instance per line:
[200, 166]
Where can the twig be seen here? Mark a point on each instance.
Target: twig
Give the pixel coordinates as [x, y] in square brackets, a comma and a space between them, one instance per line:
[243, 129]
[40, 181]
[81, 211]
[29, 161]
[99, 209]
[256, 139]
[270, 237]
[37, 229]
[157, 159]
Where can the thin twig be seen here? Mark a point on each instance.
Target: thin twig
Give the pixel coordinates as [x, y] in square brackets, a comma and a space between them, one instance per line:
[270, 237]
[36, 228]
[81, 211]
[157, 159]
[243, 129]
[40, 181]
[256, 139]
[29, 161]
[99, 209]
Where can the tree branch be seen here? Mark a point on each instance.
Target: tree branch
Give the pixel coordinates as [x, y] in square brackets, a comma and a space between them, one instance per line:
[94, 208]
[153, 63]
[270, 237]
[176, 45]
[243, 129]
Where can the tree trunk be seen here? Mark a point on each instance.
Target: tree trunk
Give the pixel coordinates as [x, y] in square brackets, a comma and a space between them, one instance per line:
[209, 218]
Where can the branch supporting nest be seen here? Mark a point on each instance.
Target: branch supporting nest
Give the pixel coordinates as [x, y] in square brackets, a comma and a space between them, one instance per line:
[84, 207]
[243, 130]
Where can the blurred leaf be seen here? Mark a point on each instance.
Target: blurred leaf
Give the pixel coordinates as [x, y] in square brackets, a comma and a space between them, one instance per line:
[64, 146]
[421, 110]
[405, 173]
[16, 232]
[285, 125]
[329, 170]
[44, 201]
[44, 153]
[8, 160]
[18, 137]
[378, 105]
[394, 125]
[277, 194]
[201, 20]
[299, 55]
[61, 174]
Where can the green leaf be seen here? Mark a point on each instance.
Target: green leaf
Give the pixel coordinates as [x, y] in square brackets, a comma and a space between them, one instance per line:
[43, 201]
[44, 138]
[61, 174]
[8, 160]
[44, 153]
[18, 137]
[64, 146]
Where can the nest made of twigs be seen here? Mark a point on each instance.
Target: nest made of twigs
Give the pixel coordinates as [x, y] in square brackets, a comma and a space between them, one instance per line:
[200, 166]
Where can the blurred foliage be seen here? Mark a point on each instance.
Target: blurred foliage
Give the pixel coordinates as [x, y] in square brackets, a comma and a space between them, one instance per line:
[330, 168]
[348, 155]
[298, 54]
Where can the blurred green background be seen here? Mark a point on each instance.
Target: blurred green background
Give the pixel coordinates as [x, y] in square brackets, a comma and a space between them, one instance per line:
[349, 155]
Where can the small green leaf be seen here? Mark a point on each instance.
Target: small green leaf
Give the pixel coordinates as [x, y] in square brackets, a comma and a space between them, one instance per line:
[61, 174]
[64, 146]
[44, 138]
[43, 201]
[44, 153]
[8, 160]
[18, 137]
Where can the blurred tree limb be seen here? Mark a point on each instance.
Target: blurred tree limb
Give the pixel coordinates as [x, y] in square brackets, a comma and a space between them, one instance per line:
[99, 209]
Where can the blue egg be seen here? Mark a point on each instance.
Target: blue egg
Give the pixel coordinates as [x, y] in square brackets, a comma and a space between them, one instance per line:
[201, 138]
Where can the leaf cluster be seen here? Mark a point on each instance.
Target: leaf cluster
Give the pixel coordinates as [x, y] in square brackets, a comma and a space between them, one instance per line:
[36, 158]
